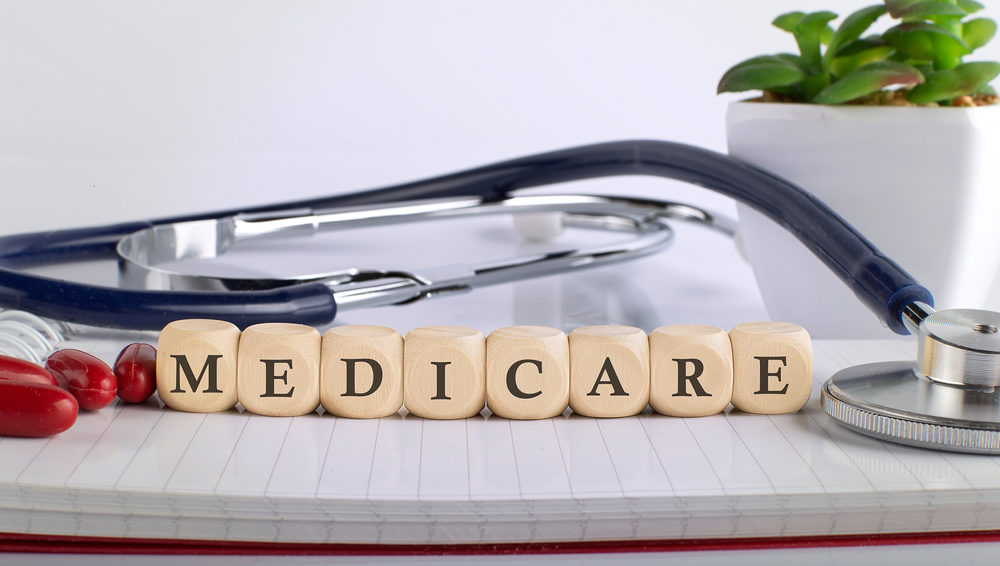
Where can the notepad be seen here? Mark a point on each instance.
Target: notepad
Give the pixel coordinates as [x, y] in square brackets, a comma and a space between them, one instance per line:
[150, 472]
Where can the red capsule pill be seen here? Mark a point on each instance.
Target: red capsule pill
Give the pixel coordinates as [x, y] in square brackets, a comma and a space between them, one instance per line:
[30, 409]
[23, 371]
[135, 370]
[87, 378]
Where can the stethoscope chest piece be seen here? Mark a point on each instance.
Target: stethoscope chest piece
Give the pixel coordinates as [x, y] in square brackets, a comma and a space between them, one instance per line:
[948, 399]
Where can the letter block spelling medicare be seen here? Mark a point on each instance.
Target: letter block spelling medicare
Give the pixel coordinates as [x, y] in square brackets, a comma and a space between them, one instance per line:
[362, 371]
[772, 367]
[196, 365]
[609, 371]
[279, 369]
[444, 372]
[527, 372]
[691, 370]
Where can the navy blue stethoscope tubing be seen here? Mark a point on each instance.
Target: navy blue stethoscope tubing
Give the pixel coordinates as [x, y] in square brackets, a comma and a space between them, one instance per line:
[878, 282]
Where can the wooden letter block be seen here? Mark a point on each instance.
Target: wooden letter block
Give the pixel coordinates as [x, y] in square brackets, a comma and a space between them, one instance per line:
[361, 374]
[196, 365]
[279, 369]
[444, 371]
[772, 367]
[609, 371]
[527, 372]
[691, 370]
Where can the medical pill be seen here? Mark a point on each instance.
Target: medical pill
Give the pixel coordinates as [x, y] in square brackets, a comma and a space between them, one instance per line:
[135, 371]
[23, 371]
[87, 378]
[34, 410]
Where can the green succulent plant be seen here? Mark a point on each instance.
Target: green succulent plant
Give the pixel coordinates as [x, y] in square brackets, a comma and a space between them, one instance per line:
[922, 54]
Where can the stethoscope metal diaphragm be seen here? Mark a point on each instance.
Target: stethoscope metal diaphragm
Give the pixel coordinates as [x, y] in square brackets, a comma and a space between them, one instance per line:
[949, 399]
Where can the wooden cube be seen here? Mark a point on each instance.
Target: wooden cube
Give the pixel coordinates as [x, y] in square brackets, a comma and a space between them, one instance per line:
[609, 371]
[361, 371]
[527, 372]
[444, 371]
[196, 365]
[691, 370]
[279, 369]
[772, 367]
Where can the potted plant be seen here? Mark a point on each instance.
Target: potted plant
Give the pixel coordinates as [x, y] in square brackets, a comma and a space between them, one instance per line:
[896, 132]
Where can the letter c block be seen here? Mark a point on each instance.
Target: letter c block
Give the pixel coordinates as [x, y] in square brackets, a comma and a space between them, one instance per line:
[691, 370]
[527, 372]
[196, 365]
[609, 371]
[444, 372]
[361, 374]
[279, 369]
[772, 367]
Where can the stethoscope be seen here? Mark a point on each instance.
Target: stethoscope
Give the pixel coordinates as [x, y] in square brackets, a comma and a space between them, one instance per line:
[946, 400]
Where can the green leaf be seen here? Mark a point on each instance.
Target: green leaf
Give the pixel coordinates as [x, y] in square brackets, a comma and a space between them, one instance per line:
[962, 80]
[761, 73]
[867, 79]
[852, 27]
[909, 10]
[860, 45]
[927, 42]
[788, 21]
[977, 33]
[808, 34]
[970, 6]
[858, 53]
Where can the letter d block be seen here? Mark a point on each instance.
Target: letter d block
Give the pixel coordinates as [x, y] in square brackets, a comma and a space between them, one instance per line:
[196, 365]
[772, 367]
[527, 372]
[444, 371]
[608, 371]
[691, 370]
[362, 372]
[279, 369]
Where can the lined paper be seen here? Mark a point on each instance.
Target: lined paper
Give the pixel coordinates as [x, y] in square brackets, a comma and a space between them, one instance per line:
[153, 472]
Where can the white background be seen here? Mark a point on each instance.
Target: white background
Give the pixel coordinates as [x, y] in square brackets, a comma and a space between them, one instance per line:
[117, 110]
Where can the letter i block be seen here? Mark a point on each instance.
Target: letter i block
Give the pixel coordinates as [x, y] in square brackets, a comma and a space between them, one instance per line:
[279, 369]
[691, 370]
[527, 372]
[361, 374]
[444, 371]
[772, 367]
[609, 371]
[196, 365]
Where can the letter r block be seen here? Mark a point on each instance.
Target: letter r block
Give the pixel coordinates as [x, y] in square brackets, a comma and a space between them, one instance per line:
[196, 365]
[609, 371]
[691, 370]
[279, 369]
[527, 372]
[444, 371]
[772, 367]
[361, 374]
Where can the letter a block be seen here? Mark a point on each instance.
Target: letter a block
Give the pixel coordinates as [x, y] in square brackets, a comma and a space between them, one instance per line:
[362, 371]
[691, 370]
[196, 365]
[609, 371]
[772, 367]
[527, 372]
[444, 372]
[279, 369]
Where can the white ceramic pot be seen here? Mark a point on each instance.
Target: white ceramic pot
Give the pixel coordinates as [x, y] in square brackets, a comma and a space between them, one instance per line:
[923, 184]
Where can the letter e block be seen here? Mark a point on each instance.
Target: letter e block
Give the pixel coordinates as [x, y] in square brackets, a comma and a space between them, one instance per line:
[444, 372]
[609, 371]
[772, 367]
[279, 369]
[361, 373]
[196, 365]
[527, 372]
[691, 370]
